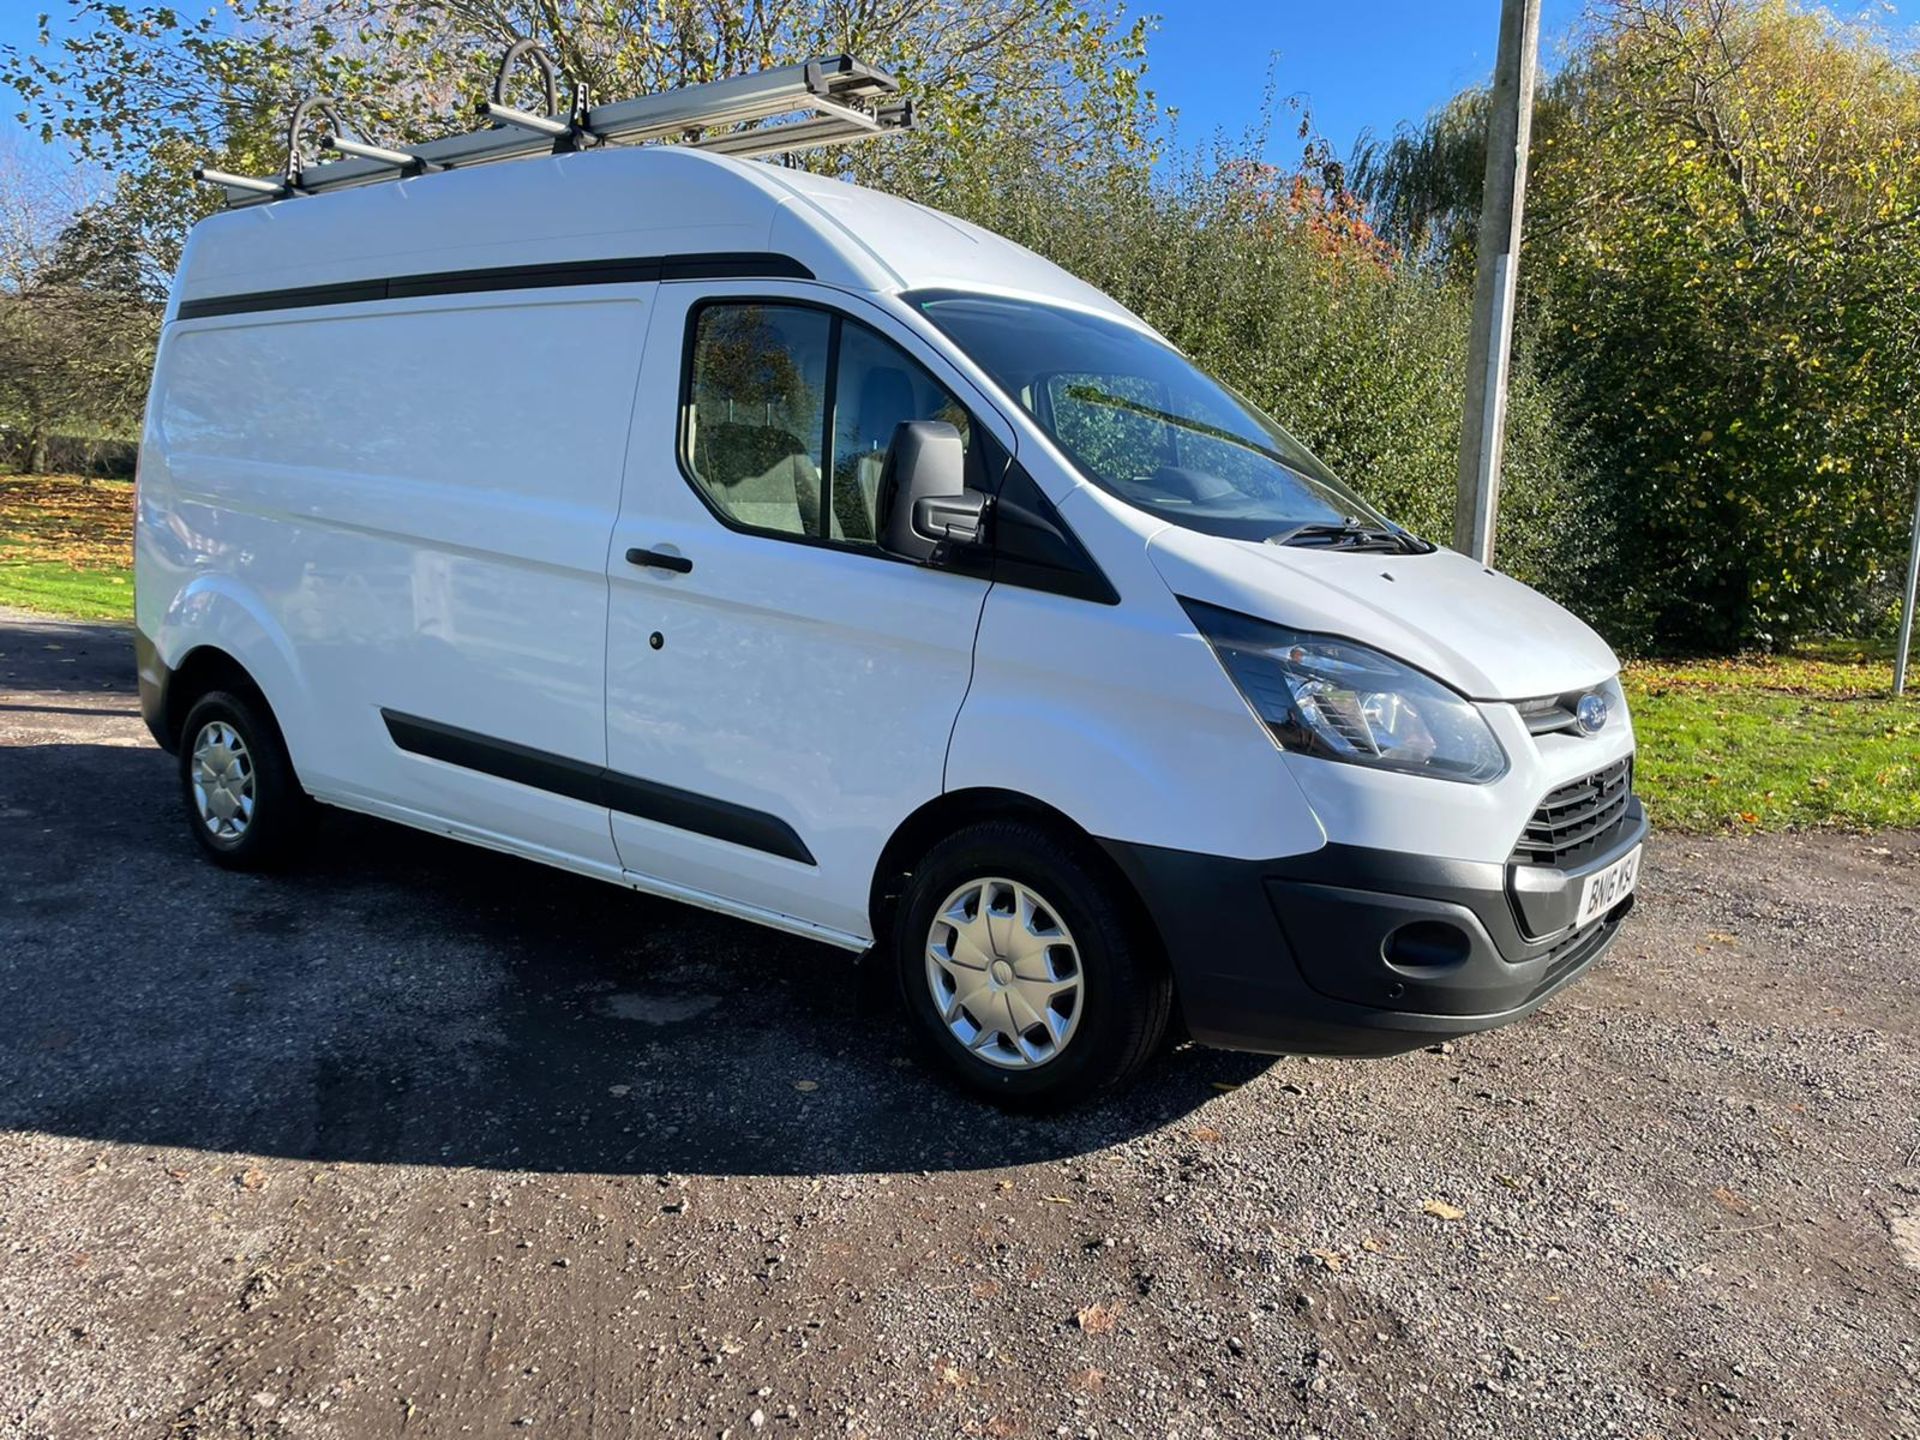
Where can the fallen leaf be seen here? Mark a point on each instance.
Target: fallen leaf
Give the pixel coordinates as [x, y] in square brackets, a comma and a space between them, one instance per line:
[1332, 1259]
[1225, 1086]
[252, 1179]
[1373, 1245]
[1207, 1135]
[1732, 1200]
[953, 1376]
[1088, 1380]
[1441, 1210]
[806, 1084]
[1099, 1318]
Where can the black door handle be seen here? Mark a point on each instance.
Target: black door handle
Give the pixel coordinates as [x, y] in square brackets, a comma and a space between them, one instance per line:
[659, 560]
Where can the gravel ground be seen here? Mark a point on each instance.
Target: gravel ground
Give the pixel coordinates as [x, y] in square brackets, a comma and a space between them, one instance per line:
[423, 1141]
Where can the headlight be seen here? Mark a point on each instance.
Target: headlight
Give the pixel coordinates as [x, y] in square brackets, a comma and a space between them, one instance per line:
[1342, 701]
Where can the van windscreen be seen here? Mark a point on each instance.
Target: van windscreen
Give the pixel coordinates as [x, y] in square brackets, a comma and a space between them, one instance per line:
[1145, 423]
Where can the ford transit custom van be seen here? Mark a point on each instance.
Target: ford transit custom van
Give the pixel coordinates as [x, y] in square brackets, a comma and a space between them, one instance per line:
[773, 545]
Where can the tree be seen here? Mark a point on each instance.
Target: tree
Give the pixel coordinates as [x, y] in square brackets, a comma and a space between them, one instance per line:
[1724, 228]
[77, 318]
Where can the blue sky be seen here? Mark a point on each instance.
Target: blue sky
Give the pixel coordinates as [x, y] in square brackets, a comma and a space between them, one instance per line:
[1360, 65]
[1371, 64]
[1363, 64]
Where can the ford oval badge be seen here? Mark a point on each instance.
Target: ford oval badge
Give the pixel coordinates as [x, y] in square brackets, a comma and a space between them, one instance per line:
[1591, 712]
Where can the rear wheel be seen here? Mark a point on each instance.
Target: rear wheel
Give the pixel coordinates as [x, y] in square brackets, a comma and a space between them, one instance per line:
[244, 803]
[1023, 970]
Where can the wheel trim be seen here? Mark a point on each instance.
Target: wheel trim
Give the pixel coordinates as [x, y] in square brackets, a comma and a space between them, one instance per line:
[1004, 973]
[220, 770]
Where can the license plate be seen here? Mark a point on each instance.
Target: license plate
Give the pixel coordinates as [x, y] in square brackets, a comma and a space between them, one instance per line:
[1604, 889]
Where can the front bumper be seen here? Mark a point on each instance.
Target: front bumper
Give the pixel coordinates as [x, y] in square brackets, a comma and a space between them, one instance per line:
[1352, 951]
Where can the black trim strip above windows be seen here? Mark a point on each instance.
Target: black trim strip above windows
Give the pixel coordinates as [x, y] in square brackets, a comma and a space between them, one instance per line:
[745, 265]
[597, 785]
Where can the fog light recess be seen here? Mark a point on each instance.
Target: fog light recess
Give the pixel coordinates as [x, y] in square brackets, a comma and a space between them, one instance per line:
[1427, 945]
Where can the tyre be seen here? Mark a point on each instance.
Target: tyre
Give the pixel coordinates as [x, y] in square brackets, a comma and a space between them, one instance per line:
[244, 803]
[1023, 968]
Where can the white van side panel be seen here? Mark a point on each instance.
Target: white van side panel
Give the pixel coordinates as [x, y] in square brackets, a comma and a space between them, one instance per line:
[411, 500]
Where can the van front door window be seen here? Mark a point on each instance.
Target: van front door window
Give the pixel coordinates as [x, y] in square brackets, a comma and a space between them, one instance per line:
[780, 396]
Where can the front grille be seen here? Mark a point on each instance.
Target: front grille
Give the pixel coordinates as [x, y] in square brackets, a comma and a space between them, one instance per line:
[1577, 818]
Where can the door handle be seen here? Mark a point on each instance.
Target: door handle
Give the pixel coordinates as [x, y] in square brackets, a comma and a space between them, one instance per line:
[659, 560]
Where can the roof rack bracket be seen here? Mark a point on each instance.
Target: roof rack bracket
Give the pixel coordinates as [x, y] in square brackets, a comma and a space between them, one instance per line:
[296, 127]
[543, 62]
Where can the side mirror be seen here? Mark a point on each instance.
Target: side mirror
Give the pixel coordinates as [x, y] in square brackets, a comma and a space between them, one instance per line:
[924, 500]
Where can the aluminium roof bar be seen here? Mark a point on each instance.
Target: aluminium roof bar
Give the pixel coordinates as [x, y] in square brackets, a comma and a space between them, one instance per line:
[834, 125]
[834, 88]
[740, 99]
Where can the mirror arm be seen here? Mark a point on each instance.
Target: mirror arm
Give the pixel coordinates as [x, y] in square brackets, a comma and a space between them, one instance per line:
[953, 521]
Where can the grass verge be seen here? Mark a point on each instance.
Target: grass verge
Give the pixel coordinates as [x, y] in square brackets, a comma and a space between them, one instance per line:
[1776, 742]
[66, 546]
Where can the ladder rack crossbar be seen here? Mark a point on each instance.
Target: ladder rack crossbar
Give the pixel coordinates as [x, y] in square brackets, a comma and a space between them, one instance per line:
[834, 89]
[807, 134]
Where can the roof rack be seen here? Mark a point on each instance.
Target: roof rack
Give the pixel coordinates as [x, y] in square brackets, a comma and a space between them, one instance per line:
[848, 101]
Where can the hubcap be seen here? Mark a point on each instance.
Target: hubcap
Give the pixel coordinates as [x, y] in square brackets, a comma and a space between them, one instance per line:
[1005, 973]
[222, 772]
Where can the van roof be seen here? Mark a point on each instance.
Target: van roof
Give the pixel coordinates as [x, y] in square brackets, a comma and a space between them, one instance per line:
[611, 204]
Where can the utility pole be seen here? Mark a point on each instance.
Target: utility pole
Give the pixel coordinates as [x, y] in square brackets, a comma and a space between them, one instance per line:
[1496, 270]
[1913, 584]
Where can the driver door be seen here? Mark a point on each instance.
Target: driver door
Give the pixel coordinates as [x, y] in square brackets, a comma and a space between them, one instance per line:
[780, 691]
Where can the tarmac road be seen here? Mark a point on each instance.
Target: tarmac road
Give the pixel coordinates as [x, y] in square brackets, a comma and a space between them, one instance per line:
[423, 1141]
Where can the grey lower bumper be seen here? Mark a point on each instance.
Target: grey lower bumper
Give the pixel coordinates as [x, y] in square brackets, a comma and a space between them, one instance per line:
[1349, 951]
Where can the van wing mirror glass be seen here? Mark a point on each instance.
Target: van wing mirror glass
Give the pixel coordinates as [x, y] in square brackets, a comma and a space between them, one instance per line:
[925, 503]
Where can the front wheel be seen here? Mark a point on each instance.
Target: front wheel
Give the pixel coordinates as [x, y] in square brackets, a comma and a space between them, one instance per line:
[1023, 969]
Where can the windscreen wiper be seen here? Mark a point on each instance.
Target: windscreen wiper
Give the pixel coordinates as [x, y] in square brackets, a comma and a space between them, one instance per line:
[1352, 534]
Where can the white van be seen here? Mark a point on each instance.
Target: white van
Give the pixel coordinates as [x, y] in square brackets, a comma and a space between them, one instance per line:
[784, 548]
